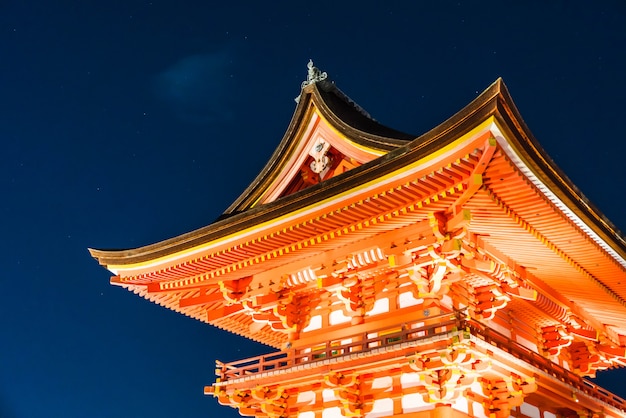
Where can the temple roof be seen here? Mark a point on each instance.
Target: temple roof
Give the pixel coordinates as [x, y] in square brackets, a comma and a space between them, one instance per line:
[337, 167]
[395, 149]
[340, 113]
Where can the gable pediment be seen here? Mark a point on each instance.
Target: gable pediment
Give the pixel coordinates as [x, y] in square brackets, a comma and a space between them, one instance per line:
[319, 154]
[328, 135]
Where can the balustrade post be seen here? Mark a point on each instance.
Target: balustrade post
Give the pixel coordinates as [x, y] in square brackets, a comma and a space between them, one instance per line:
[431, 309]
[220, 370]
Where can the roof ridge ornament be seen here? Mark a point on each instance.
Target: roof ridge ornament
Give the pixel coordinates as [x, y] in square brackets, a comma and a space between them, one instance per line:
[314, 75]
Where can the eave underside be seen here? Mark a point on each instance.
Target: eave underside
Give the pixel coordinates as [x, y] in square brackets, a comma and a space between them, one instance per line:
[551, 246]
[508, 214]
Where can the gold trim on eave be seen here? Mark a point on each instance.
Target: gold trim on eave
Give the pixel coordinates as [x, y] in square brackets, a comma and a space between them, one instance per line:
[256, 229]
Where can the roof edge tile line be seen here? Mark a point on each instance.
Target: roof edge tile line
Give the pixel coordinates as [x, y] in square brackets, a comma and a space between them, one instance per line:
[304, 110]
[391, 140]
[526, 171]
[296, 203]
[541, 164]
[494, 101]
[538, 157]
[482, 107]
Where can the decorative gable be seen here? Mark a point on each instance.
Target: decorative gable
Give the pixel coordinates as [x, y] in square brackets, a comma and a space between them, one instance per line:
[329, 134]
[321, 153]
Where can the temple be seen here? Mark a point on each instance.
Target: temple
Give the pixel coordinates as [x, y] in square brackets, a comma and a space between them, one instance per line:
[458, 273]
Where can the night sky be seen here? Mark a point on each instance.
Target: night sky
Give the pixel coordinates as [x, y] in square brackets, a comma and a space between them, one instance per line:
[125, 123]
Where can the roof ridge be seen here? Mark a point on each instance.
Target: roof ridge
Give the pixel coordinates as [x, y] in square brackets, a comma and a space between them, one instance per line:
[317, 76]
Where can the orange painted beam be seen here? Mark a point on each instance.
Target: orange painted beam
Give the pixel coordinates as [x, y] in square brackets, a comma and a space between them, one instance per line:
[475, 181]
[395, 207]
[155, 287]
[215, 314]
[382, 321]
[586, 334]
[116, 281]
[543, 288]
[202, 299]
[326, 259]
[611, 350]
[462, 219]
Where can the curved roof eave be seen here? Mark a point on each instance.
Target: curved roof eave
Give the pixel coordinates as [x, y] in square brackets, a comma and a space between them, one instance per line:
[494, 101]
[550, 174]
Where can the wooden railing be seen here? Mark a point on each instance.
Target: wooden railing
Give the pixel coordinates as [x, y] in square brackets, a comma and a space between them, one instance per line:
[409, 332]
[358, 343]
[546, 365]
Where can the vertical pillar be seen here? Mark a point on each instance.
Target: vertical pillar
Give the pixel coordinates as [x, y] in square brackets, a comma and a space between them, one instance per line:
[510, 315]
[431, 308]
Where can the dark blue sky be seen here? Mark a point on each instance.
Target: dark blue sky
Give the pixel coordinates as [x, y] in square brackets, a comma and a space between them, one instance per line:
[124, 124]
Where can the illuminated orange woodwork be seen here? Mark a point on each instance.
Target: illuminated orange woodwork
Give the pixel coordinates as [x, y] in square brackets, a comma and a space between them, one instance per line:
[455, 274]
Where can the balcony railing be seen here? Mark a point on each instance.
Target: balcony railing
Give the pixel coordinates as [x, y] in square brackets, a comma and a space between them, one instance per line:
[409, 332]
[350, 344]
[546, 365]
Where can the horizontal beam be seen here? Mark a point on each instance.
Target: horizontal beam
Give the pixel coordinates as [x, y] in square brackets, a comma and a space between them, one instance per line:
[224, 312]
[155, 287]
[202, 299]
[401, 239]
